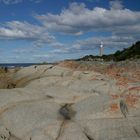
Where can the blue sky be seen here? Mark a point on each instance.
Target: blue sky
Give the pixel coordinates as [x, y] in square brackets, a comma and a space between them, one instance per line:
[53, 30]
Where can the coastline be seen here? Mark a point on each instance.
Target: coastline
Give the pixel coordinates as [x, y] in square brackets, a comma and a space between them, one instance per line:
[71, 96]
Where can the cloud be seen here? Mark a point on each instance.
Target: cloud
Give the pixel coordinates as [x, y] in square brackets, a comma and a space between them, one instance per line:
[109, 42]
[41, 56]
[11, 1]
[116, 4]
[93, 43]
[123, 26]
[7, 2]
[36, 1]
[78, 19]
[21, 50]
[57, 45]
[25, 31]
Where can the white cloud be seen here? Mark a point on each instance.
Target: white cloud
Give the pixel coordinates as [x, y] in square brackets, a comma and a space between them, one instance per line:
[11, 1]
[111, 41]
[24, 30]
[116, 4]
[61, 51]
[36, 1]
[93, 43]
[122, 24]
[57, 45]
[78, 19]
[22, 50]
[41, 56]
[7, 2]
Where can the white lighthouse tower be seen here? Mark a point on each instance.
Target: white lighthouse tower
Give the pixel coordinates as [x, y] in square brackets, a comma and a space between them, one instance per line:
[101, 49]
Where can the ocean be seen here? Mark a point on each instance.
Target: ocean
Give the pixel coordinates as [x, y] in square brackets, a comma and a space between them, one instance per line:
[11, 65]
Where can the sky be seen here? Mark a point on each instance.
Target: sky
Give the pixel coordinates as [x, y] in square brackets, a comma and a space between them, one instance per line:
[33, 31]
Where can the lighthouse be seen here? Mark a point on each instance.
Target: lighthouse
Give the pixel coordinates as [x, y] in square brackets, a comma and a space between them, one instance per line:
[101, 49]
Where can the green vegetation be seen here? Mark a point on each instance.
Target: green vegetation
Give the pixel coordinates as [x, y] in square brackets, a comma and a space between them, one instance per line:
[132, 52]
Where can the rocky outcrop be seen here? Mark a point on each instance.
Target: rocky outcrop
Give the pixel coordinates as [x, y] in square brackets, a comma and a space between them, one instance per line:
[56, 103]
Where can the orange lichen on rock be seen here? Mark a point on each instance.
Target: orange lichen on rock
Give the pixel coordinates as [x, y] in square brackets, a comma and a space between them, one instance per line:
[69, 64]
[123, 81]
[123, 74]
[115, 96]
[132, 100]
[114, 107]
[134, 88]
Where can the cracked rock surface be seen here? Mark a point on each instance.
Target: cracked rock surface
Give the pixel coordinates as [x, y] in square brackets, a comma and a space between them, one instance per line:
[57, 103]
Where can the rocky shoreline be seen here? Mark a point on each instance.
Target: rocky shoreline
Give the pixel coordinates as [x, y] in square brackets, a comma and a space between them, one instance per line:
[71, 101]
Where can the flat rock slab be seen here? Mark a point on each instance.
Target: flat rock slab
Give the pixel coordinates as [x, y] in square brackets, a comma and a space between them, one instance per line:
[58, 103]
